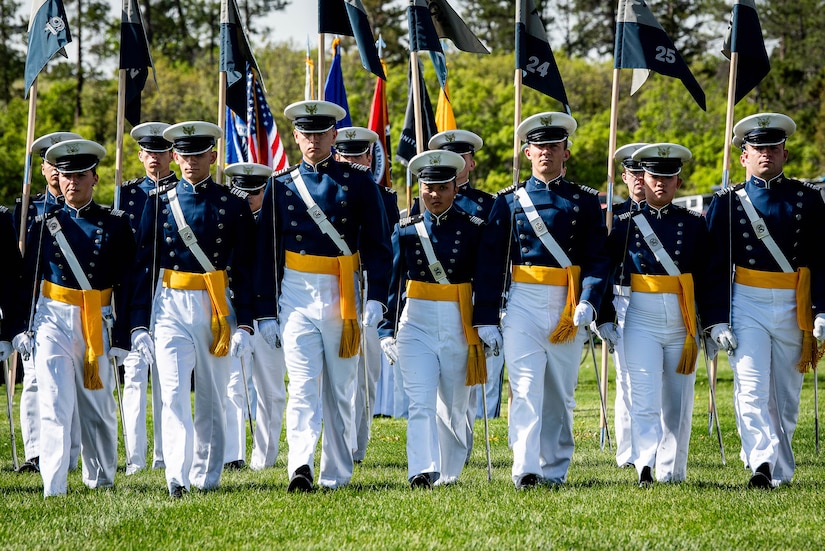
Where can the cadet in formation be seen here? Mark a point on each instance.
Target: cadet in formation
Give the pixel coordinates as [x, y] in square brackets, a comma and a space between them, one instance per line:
[660, 251]
[197, 230]
[769, 287]
[553, 233]
[155, 154]
[325, 222]
[83, 254]
[437, 260]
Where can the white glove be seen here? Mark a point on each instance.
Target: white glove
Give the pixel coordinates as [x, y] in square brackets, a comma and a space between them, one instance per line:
[143, 344]
[389, 348]
[609, 333]
[819, 327]
[239, 345]
[5, 350]
[117, 354]
[23, 344]
[271, 331]
[491, 337]
[373, 312]
[583, 314]
[723, 337]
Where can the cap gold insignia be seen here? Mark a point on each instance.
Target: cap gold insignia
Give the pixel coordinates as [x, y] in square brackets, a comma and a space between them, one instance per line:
[449, 137]
[664, 151]
[763, 122]
[248, 170]
[350, 134]
[435, 160]
[155, 130]
[546, 121]
[312, 108]
[55, 139]
[189, 130]
[72, 148]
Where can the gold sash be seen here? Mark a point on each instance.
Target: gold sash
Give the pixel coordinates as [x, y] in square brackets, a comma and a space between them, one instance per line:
[214, 283]
[565, 331]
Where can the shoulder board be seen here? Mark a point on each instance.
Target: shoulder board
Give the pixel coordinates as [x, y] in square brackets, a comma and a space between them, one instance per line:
[812, 186]
[475, 220]
[160, 190]
[588, 189]
[132, 182]
[626, 215]
[389, 190]
[724, 191]
[117, 212]
[509, 189]
[3, 209]
[239, 192]
[286, 170]
[362, 168]
[408, 220]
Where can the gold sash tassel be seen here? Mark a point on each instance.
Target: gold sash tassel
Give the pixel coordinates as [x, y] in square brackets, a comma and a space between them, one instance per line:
[344, 267]
[463, 294]
[91, 319]
[565, 331]
[214, 283]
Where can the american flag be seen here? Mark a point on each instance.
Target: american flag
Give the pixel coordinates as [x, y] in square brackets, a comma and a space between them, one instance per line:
[265, 146]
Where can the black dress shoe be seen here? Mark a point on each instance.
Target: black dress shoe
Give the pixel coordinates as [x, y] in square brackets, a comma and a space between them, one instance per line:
[761, 478]
[646, 478]
[527, 481]
[176, 491]
[301, 480]
[236, 465]
[30, 466]
[421, 481]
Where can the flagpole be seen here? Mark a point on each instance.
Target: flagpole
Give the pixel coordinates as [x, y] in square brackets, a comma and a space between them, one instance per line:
[321, 60]
[415, 76]
[516, 122]
[121, 115]
[27, 169]
[222, 124]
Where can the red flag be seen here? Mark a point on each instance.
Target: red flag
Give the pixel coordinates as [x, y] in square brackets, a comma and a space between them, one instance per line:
[380, 124]
[264, 143]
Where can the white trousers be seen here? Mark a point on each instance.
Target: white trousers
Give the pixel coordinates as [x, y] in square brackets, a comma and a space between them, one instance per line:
[58, 362]
[236, 413]
[621, 406]
[766, 382]
[661, 399]
[193, 448]
[385, 390]
[30, 418]
[432, 352]
[135, 385]
[321, 384]
[267, 369]
[543, 378]
[369, 369]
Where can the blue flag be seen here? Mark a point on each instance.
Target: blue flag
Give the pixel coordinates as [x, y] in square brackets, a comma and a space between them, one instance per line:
[744, 36]
[334, 89]
[423, 37]
[534, 56]
[135, 58]
[348, 17]
[48, 34]
[235, 54]
[642, 43]
[407, 145]
[236, 138]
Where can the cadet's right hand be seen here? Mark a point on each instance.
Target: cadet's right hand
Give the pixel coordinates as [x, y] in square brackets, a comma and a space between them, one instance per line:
[143, 344]
[609, 333]
[723, 336]
[23, 344]
[271, 331]
[390, 349]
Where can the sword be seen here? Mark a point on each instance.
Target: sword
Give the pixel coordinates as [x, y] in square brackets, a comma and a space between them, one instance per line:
[605, 429]
[714, 414]
[9, 398]
[248, 402]
[108, 322]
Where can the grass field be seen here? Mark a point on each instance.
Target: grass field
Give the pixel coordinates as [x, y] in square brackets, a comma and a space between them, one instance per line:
[599, 508]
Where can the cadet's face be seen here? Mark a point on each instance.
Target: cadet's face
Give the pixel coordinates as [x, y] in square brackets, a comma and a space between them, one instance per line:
[547, 159]
[255, 199]
[659, 190]
[155, 163]
[317, 146]
[77, 187]
[364, 159]
[764, 161]
[52, 177]
[195, 168]
[438, 197]
[635, 180]
[469, 166]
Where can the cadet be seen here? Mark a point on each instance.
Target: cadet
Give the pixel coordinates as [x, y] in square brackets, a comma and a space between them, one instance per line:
[29, 408]
[768, 316]
[201, 228]
[553, 232]
[437, 345]
[83, 254]
[324, 219]
[263, 363]
[660, 251]
[354, 145]
[633, 177]
[156, 155]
